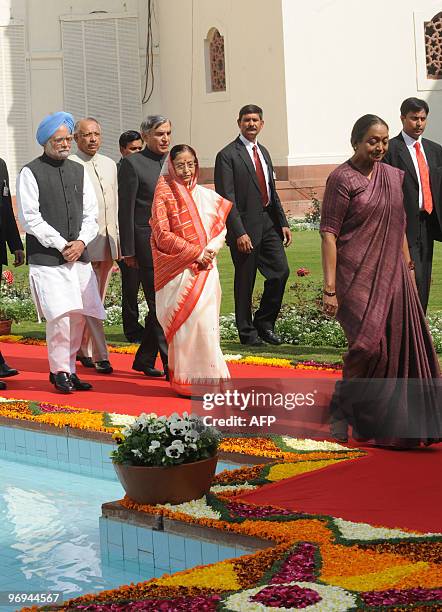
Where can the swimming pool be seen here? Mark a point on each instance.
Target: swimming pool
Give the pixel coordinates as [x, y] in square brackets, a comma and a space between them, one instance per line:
[49, 536]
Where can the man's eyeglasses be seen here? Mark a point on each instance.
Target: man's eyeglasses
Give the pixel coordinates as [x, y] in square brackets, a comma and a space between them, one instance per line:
[62, 139]
[89, 134]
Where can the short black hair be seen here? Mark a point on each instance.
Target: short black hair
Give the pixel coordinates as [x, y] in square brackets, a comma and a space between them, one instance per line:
[414, 105]
[128, 137]
[182, 148]
[250, 109]
[362, 125]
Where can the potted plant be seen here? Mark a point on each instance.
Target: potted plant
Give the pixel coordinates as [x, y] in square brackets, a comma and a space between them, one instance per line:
[166, 459]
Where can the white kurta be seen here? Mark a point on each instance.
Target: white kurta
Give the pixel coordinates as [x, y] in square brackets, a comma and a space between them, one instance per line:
[70, 287]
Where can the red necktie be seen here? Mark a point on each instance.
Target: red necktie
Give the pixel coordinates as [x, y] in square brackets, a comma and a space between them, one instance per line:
[260, 176]
[425, 179]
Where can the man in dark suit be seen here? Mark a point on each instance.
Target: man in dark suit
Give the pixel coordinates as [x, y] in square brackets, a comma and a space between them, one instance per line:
[130, 142]
[257, 228]
[421, 160]
[9, 236]
[137, 179]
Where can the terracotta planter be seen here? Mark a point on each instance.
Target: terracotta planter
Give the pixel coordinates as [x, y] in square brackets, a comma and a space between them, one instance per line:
[160, 485]
[5, 327]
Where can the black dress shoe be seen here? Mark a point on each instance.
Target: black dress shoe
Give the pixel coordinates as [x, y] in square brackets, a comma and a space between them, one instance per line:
[103, 367]
[6, 371]
[85, 361]
[269, 336]
[2, 385]
[147, 370]
[79, 385]
[255, 342]
[62, 382]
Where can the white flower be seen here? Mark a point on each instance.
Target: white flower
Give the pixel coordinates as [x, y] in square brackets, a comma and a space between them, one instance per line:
[137, 453]
[197, 508]
[245, 486]
[179, 428]
[364, 531]
[313, 445]
[120, 420]
[175, 449]
[228, 357]
[156, 427]
[154, 445]
[191, 436]
[333, 599]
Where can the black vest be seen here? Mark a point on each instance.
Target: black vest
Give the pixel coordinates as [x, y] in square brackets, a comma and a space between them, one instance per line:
[60, 187]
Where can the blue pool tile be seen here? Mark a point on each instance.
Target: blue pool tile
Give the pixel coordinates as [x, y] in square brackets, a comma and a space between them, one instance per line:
[176, 547]
[226, 552]
[146, 562]
[9, 439]
[85, 449]
[62, 445]
[134, 568]
[177, 566]
[40, 442]
[160, 548]
[19, 436]
[115, 553]
[73, 450]
[115, 533]
[130, 542]
[51, 447]
[209, 552]
[193, 552]
[30, 442]
[158, 573]
[145, 539]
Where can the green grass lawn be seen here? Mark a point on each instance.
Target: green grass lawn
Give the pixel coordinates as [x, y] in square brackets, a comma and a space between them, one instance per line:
[303, 253]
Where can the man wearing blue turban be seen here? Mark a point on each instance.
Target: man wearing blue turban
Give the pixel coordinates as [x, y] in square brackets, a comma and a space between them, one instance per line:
[57, 208]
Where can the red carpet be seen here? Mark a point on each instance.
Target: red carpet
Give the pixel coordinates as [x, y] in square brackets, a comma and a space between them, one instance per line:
[124, 391]
[387, 488]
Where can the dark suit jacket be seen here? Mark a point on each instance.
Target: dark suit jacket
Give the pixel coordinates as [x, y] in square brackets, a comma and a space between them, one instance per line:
[9, 234]
[137, 178]
[235, 180]
[399, 157]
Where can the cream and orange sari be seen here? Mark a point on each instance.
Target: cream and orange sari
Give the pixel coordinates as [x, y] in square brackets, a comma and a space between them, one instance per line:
[188, 296]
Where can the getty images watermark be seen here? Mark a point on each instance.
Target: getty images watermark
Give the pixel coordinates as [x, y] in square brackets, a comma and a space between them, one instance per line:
[297, 407]
[305, 407]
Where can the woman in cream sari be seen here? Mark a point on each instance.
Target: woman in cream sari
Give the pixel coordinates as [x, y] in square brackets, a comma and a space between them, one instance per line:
[188, 229]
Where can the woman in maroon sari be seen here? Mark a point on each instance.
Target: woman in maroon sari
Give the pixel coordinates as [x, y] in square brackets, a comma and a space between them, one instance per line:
[390, 391]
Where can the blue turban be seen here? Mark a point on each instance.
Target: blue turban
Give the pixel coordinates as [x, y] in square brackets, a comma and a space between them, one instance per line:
[50, 125]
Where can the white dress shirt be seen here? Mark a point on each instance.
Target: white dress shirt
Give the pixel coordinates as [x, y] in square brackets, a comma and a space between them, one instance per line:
[249, 146]
[71, 286]
[410, 142]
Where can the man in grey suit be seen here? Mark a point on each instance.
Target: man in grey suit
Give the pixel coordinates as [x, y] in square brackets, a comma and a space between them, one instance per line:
[137, 179]
[257, 228]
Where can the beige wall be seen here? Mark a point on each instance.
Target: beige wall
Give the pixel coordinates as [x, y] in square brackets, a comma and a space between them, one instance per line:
[252, 30]
[44, 52]
[345, 59]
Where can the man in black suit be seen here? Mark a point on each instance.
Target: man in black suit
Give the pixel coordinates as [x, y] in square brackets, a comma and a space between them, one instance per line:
[137, 179]
[421, 159]
[130, 142]
[9, 236]
[257, 228]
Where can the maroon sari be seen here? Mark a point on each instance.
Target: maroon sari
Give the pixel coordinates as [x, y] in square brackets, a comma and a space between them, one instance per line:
[391, 376]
